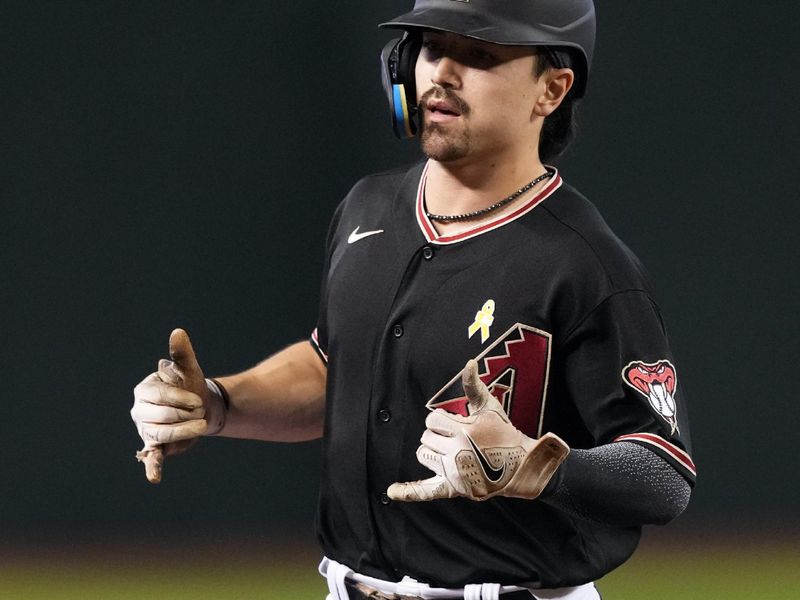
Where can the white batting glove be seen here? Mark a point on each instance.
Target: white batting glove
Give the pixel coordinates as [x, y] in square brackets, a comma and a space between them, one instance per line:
[172, 406]
[482, 455]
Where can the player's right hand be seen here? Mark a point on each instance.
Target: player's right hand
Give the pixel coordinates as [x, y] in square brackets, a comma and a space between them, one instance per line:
[169, 405]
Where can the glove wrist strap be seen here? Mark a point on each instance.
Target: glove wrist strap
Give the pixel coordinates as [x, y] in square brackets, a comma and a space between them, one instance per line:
[216, 407]
[538, 467]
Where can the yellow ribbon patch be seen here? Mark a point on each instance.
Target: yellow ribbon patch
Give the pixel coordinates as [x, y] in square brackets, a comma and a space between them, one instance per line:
[483, 320]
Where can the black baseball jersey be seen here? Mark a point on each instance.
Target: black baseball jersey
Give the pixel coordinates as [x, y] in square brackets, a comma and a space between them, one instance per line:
[560, 317]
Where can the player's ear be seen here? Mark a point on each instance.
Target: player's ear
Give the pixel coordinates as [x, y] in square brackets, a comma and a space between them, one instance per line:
[556, 84]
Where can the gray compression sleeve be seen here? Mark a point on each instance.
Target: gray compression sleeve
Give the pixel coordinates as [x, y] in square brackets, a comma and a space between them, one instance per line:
[620, 484]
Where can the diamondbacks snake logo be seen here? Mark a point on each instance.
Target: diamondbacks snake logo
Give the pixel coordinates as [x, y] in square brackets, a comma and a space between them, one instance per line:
[656, 382]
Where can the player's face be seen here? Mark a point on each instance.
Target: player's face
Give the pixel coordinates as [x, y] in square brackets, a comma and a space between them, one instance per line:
[476, 99]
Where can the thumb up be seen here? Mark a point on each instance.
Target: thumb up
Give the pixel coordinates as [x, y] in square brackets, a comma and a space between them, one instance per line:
[169, 406]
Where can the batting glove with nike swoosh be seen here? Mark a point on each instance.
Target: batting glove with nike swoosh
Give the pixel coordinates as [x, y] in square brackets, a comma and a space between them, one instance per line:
[481, 455]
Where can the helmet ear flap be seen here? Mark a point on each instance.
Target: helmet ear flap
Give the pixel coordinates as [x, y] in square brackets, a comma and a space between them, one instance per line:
[398, 59]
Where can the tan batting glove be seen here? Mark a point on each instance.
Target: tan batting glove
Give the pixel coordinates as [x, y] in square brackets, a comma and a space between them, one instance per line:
[482, 455]
[173, 406]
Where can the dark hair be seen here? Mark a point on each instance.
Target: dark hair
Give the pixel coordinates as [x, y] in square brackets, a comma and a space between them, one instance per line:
[560, 127]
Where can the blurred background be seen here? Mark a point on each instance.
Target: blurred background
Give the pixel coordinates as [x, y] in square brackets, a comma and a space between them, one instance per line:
[175, 163]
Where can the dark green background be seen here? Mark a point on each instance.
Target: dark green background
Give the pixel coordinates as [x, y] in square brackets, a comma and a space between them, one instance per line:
[175, 164]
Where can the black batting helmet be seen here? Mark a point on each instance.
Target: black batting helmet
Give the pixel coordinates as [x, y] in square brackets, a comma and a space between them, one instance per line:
[566, 24]
[566, 27]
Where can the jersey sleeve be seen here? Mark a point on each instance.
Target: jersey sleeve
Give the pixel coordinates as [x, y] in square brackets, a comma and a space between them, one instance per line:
[621, 375]
[319, 336]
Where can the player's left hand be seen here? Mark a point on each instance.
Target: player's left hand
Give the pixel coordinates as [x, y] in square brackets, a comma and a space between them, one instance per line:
[482, 455]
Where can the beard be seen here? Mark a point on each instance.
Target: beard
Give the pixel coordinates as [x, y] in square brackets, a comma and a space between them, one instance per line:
[441, 145]
[444, 143]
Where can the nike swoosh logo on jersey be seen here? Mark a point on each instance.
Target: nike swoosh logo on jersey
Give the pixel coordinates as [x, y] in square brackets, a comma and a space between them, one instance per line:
[355, 236]
[492, 475]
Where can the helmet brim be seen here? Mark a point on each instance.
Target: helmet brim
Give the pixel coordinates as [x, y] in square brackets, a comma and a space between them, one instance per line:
[481, 26]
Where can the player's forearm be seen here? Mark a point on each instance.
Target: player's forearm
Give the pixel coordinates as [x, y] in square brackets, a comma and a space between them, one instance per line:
[281, 399]
[621, 484]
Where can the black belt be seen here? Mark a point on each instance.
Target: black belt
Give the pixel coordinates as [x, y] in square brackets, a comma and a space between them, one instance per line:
[360, 593]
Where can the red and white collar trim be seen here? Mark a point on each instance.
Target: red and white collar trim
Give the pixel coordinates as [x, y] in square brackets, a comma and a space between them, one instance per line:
[432, 236]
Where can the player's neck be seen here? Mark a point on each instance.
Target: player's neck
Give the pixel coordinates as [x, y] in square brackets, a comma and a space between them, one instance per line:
[464, 187]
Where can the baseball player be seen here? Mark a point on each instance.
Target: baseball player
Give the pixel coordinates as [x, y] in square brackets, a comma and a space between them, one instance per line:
[490, 374]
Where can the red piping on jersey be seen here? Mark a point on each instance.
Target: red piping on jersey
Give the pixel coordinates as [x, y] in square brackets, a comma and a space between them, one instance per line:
[315, 339]
[648, 438]
[430, 232]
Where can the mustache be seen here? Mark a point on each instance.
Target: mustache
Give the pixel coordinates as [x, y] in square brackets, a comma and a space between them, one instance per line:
[444, 94]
